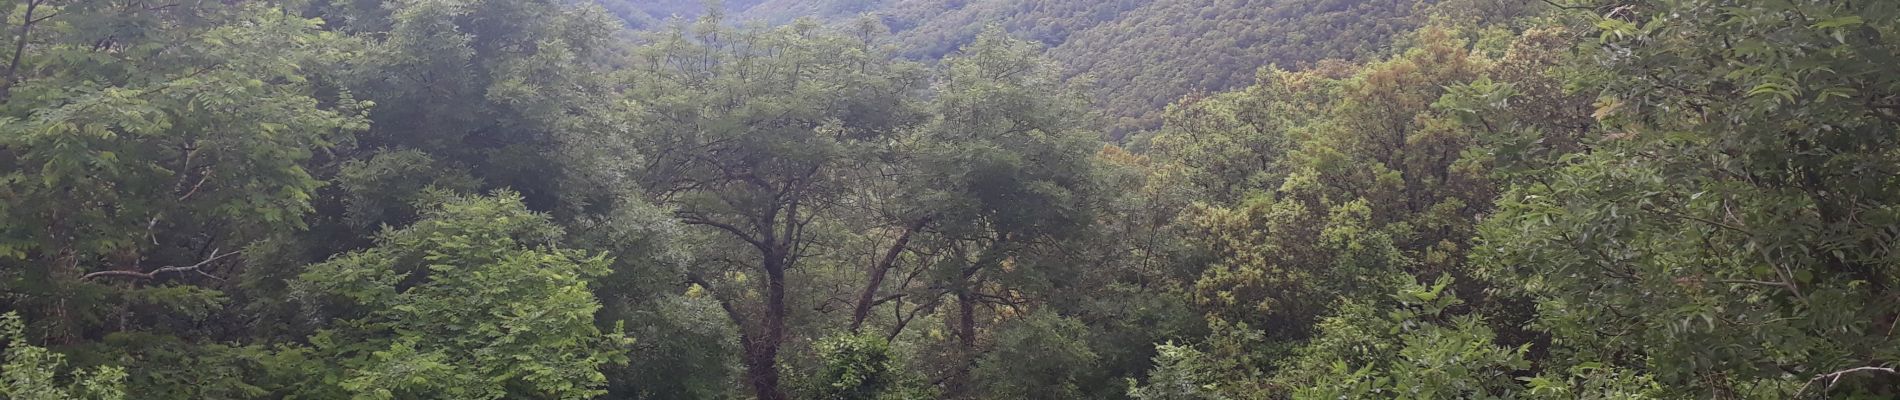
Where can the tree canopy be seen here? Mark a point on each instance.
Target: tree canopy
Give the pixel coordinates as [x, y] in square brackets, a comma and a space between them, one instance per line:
[946, 199]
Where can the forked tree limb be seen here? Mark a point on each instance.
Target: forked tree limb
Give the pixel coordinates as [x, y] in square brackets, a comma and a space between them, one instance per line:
[875, 274]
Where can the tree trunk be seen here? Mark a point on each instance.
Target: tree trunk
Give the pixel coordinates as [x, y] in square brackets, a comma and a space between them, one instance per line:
[958, 386]
[762, 353]
[967, 285]
[966, 320]
[875, 274]
[762, 371]
[19, 50]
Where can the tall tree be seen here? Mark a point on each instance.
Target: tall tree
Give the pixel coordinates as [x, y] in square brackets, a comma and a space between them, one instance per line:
[1006, 170]
[751, 134]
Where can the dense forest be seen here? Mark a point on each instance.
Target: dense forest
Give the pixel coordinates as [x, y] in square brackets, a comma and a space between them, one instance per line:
[1133, 57]
[950, 199]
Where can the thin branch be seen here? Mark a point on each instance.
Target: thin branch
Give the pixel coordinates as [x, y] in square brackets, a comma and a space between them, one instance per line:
[196, 268]
[904, 321]
[1783, 285]
[692, 218]
[886, 299]
[1891, 325]
[1718, 224]
[44, 18]
[1835, 377]
[1564, 7]
[201, 184]
[1603, 260]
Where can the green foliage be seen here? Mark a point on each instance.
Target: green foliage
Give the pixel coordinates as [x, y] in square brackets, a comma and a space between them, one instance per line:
[171, 367]
[1423, 352]
[860, 367]
[759, 140]
[140, 151]
[1722, 232]
[152, 128]
[1422, 348]
[472, 301]
[1006, 137]
[1180, 373]
[1324, 184]
[105, 154]
[649, 13]
[683, 348]
[856, 367]
[1041, 356]
[1615, 199]
[512, 91]
[1004, 169]
[1141, 54]
[684, 340]
[1320, 186]
[1138, 58]
[34, 373]
[1592, 381]
[384, 189]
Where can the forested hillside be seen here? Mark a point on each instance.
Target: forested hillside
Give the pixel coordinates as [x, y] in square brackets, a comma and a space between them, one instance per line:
[535, 199]
[1137, 55]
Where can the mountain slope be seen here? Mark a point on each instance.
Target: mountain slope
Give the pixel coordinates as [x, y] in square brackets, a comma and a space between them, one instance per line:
[1143, 54]
[1153, 55]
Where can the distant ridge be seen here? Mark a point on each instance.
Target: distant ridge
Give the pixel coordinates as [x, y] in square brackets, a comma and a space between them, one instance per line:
[1141, 54]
